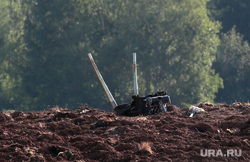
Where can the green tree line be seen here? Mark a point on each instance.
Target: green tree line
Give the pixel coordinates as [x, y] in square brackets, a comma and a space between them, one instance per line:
[182, 48]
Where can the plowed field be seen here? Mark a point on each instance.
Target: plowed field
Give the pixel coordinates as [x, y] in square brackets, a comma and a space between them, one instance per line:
[85, 134]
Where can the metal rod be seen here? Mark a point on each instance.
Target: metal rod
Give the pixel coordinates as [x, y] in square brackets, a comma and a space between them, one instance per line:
[105, 87]
[135, 75]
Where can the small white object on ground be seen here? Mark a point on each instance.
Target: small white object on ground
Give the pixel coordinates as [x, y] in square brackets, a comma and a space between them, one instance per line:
[194, 110]
[84, 111]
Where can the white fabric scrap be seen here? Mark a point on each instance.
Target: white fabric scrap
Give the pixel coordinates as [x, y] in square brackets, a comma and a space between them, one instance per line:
[194, 110]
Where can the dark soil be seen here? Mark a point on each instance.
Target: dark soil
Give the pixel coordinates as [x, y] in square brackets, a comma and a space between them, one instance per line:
[94, 135]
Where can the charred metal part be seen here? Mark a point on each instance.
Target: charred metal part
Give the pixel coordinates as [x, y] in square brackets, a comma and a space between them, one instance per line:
[148, 105]
[158, 100]
[135, 75]
[104, 85]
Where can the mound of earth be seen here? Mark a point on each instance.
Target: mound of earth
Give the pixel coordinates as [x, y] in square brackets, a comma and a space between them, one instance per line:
[93, 135]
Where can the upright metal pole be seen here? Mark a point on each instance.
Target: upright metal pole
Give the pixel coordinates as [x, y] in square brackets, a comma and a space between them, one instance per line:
[105, 87]
[135, 75]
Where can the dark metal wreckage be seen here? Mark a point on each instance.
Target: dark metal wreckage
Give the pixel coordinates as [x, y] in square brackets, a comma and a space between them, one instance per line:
[147, 105]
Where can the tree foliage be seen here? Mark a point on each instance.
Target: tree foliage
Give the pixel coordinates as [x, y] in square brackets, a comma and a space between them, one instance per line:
[11, 52]
[46, 44]
[233, 55]
[232, 13]
[175, 43]
[233, 63]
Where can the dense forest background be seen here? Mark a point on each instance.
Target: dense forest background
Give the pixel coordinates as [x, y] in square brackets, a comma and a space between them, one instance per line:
[196, 51]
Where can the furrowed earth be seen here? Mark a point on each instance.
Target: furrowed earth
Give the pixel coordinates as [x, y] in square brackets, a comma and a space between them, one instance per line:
[87, 134]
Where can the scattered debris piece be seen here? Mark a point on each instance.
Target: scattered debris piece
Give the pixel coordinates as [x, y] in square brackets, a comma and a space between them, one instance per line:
[246, 141]
[233, 130]
[194, 110]
[148, 105]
